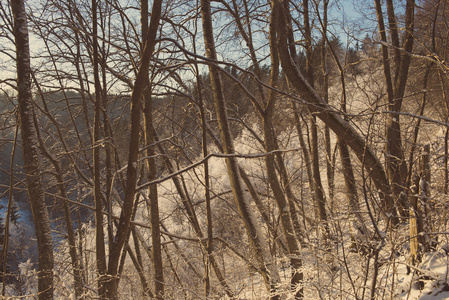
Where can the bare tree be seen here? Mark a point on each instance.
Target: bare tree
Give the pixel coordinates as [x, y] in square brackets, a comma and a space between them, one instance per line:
[150, 138]
[131, 176]
[397, 167]
[99, 233]
[341, 128]
[31, 152]
[260, 248]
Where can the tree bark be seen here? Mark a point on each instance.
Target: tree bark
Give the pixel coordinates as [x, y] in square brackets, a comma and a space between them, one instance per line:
[255, 196]
[153, 197]
[209, 244]
[150, 138]
[99, 229]
[324, 69]
[31, 153]
[266, 113]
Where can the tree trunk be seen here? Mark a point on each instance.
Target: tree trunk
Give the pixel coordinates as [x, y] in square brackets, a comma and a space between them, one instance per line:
[270, 104]
[419, 215]
[425, 224]
[150, 138]
[304, 147]
[99, 230]
[5, 245]
[327, 140]
[259, 245]
[138, 263]
[396, 165]
[75, 258]
[153, 196]
[270, 145]
[348, 172]
[329, 116]
[446, 153]
[209, 244]
[255, 196]
[31, 153]
[58, 174]
[131, 178]
[318, 186]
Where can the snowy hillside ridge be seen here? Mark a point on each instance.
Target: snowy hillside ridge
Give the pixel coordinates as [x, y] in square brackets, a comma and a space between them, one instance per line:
[326, 274]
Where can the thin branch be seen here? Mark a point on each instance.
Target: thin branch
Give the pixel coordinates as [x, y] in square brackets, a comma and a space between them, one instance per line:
[200, 162]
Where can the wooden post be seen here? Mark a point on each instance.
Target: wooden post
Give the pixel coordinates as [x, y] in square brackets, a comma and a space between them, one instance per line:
[419, 217]
[414, 197]
[424, 221]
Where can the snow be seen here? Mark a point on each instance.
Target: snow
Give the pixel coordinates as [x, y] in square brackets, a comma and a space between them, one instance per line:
[325, 272]
[429, 281]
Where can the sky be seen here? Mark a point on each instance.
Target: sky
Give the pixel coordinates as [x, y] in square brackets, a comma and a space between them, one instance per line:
[349, 19]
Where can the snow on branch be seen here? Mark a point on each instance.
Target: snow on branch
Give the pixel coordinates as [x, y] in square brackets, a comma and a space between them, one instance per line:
[221, 155]
[418, 117]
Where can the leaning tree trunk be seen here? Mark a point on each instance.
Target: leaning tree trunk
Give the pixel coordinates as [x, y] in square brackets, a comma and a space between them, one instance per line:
[348, 172]
[269, 103]
[329, 116]
[31, 154]
[259, 245]
[284, 199]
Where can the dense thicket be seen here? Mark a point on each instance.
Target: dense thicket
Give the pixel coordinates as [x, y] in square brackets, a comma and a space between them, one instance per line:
[233, 148]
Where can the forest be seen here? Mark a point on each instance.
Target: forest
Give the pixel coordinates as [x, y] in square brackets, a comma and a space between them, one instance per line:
[226, 149]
